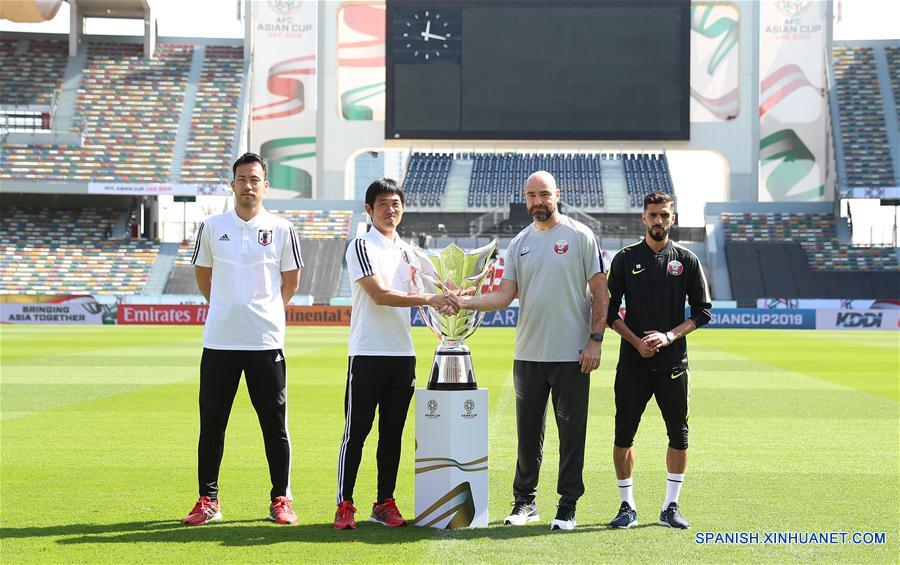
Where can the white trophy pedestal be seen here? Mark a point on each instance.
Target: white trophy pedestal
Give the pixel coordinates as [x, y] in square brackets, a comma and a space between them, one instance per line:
[451, 458]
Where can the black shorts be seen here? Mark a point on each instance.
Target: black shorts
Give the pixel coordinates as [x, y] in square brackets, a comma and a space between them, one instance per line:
[634, 387]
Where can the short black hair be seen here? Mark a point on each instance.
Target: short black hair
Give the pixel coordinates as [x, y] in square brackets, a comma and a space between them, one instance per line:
[384, 186]
[250, 158]
[657, 198]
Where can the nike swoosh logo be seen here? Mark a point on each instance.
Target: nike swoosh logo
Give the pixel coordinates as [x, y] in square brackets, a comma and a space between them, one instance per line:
[633, 272]
[525, 253]
[678, 375]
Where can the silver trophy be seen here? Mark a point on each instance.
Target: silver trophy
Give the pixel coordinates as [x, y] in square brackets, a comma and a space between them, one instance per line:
[458, 271]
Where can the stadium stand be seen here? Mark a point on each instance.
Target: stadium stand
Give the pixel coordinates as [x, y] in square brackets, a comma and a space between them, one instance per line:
[893, 59]
[426, 178]
[817, 235]
[645, 173]
[322, 282]
[319, 224]
[209, 150]
[799, 255]
[497, 178]
[760, 270]
[44, 251]
[128, 110]
[864, 140]
[129, 107]
[323, 235]
[182, 279]
[32, 71]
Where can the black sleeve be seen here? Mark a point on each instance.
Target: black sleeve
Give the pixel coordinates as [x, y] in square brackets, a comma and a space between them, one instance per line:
[698, 294]
[616, 283]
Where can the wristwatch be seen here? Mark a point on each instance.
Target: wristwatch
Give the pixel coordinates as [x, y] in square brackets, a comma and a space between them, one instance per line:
[670, 336]
[597, 336]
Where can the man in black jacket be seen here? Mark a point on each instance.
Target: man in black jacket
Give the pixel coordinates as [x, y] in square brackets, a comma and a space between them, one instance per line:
[654, 275]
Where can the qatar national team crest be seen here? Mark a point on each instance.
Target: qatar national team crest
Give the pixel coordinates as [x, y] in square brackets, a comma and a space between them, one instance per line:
[264, 237]
[561, 247]
[675, 268]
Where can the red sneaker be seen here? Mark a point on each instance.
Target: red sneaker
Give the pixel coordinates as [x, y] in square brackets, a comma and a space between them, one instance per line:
[387, 514]
[343, 518]
[206, 510]
[280, 511]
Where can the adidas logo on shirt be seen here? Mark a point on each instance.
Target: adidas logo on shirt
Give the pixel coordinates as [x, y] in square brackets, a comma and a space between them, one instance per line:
[224, 238]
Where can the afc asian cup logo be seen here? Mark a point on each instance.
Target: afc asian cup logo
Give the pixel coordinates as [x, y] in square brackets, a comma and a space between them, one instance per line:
[264, 237]
[675, 268]
[469, 407]
[284, 7]
[561, 247]
[432, 406]
[792, 8]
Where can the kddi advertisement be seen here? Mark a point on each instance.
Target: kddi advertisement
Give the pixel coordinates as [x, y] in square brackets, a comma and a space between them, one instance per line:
[857, 319]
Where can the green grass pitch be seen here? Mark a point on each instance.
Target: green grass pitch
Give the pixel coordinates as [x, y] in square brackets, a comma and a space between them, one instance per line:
[790, 431]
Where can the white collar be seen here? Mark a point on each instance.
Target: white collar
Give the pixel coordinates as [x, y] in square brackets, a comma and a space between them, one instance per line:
[382, 239]
[254, 221]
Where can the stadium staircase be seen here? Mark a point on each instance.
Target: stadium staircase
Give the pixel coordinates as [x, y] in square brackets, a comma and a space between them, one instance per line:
[456, 191]
[161, 269]
[889, 108]
[67, 102]
[615, 189]
[187, 113]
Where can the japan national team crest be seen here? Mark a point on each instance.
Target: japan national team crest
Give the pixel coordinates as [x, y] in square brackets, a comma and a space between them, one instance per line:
[675, 268]
[264, 237]
[561, 247]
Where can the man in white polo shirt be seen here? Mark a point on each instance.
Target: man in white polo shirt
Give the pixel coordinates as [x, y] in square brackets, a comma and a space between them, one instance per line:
[382, 367]
[247, 263]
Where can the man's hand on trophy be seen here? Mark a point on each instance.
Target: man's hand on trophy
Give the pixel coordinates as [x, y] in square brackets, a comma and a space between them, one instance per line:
[468, 292]
[443, 303]
[461, 302]
[590, 356]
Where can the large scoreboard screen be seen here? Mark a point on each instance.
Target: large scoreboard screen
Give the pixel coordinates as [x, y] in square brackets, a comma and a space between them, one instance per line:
[552, 69]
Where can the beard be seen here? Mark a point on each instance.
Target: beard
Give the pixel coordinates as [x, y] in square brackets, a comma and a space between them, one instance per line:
[658, 234]
[541, 213]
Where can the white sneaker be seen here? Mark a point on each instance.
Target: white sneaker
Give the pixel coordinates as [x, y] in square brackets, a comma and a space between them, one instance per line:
[565, 519]
[522, 513]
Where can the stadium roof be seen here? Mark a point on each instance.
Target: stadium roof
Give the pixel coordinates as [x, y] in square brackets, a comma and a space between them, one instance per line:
[127, 9]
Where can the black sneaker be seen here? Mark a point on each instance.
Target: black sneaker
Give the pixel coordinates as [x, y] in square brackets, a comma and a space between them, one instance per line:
[672, 517]
[626, 518]
[522, 513]
[565, 519]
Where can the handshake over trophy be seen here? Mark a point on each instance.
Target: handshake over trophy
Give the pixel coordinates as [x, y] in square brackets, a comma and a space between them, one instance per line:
[455, 271]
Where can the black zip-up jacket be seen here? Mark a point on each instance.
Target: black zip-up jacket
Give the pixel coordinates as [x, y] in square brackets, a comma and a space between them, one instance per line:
[655, 286]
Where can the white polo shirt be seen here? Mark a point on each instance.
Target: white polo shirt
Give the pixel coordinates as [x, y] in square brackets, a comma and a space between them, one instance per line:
[375, 329]
[246, 311]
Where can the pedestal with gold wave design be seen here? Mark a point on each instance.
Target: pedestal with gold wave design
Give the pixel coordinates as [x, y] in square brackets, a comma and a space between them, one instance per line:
[451, 458]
